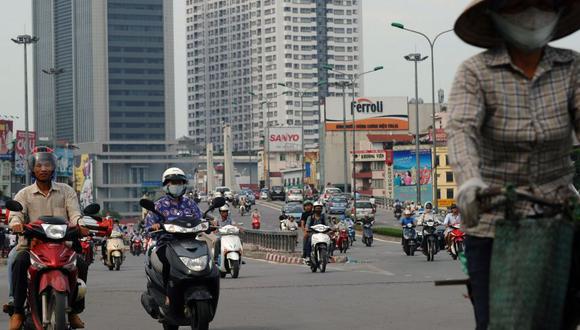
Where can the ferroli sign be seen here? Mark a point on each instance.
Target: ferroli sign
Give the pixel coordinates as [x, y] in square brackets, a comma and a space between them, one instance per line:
[370, 114]
[284, 139]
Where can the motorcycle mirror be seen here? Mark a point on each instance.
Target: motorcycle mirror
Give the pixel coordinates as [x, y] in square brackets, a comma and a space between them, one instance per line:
[91, 209]
[218, 202]
[147, 204]
[14, 206]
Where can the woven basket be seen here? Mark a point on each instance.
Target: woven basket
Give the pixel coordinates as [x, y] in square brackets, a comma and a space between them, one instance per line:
[530, 268]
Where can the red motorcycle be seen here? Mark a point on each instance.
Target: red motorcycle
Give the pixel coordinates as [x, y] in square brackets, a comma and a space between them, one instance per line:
[457, 238]
[88, 250]
[137, 247]
[343, 241]
[256, 223]
[53, 282]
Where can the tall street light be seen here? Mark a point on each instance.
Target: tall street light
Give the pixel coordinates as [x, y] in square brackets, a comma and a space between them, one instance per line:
[53, 72]
[26, 40]
[434, 134]
[301, 92]
[416, 58]
[352, 83]
[267, 102]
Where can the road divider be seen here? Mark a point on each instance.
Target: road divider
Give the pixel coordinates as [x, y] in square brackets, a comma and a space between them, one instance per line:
[284, 241]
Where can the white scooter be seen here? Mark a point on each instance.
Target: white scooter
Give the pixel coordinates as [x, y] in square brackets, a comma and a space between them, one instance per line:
[115, 248]
[320, 243]
[231, 251]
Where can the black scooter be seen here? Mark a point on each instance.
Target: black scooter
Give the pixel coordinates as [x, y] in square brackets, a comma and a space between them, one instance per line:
[194, 276]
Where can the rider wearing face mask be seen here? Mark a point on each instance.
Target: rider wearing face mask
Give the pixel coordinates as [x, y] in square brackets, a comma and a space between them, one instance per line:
[316, 218]
[173, 205]
[514, 109]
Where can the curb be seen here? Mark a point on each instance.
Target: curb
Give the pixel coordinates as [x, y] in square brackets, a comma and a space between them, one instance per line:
[282, 259]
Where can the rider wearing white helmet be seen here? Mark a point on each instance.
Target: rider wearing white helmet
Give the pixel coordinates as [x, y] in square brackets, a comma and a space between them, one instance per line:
[316, 218]
[173, 205]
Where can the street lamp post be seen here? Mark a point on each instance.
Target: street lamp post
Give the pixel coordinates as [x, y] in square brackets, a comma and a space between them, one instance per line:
[26, 40]
[301, 93]
[416, 58]
[53, 72]
[434, 134]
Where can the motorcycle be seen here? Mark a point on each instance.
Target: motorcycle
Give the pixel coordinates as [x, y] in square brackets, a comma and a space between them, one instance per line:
[398, 213]
[351, 234]
[343, 240]
[231, 251]
[88, 250]
[409, 239]
[256, 223]
[245, 208]
[430, 239]
[53, 282]
[367, 237]
[115, 248]
[195, 276]
[137, 246]
[457, 240]
[320, 243]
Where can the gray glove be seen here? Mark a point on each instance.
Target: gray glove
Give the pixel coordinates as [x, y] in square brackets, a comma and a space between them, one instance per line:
[467, 201]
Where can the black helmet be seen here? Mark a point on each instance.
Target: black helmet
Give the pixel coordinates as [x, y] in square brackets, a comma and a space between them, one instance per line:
[42, 155]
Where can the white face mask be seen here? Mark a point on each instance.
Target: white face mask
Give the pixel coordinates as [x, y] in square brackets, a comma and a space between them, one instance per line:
[528, 30]
[176, 190]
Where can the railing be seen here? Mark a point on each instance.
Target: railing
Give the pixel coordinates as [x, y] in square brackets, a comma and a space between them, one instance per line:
[275, 240]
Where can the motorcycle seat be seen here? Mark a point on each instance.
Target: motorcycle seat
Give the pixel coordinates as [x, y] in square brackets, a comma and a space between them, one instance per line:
[53, 220]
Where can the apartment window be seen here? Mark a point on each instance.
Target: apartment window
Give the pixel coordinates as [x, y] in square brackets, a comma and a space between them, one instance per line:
[449, 176]
[450, 193]
[437, 161]
[378, 184]
[282, 157]
[446, 160]
[438, 193]
[377, 166]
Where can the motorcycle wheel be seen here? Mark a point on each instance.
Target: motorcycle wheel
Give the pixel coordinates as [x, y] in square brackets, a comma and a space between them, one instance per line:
[235, 266]
[167, 326]
[432, 251]
[223, 274]
[407, 249]
[322, 259]
[57, 311]
[412, 250]
[117, 262]
[200, 318]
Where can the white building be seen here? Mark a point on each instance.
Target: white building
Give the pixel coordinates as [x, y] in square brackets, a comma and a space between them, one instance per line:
[235, 47]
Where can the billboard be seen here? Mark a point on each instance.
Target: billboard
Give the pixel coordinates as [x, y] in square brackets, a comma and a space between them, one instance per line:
[6, 129]
[83, 171]
[285, 139]
[64, 162]
[370, 114]
[405, 175]
[20, 150]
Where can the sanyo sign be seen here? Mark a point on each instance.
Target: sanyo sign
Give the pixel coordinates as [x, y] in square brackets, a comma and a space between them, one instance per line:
[365, 105]
[285, 139]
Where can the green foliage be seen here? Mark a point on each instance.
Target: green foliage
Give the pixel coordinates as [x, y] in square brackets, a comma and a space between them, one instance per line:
[388, 231]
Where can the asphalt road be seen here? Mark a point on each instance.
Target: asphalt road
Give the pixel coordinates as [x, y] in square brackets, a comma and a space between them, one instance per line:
[380, 289]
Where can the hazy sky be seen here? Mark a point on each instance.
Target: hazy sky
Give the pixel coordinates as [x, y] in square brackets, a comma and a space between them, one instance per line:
[382, 45]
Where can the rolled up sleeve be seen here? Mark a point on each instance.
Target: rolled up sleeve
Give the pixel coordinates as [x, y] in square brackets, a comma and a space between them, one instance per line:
[18, 217]
[466, 116]
[73, 209]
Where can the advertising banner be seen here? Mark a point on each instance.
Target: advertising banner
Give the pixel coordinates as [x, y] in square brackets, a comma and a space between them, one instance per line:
[64, 161]
[6, 129]
[405, 175]
[285, 139]
[20, 150]
[83, 172]
[370, 114]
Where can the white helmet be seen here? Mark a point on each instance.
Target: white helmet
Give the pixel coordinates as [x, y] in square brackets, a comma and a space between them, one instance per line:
[317, 203]
[173, 173]
[428, 203]
[224, 208]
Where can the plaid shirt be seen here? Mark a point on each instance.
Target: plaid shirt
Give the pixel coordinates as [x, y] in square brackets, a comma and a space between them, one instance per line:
[507, 129]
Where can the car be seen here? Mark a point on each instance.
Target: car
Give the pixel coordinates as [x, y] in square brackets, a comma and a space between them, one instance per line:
[336, 205]
[264, 193]
[328, 192]
[202, 196]
[249, 195]
[294, 195]
[226, 192]
[363, 209]
[277, 193]
[293, 209]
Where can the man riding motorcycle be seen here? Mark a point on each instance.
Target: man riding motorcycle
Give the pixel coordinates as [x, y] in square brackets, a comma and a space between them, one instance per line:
[173, 204]
[316, 218]
[406, 219]
[44, 197]
[427, 214]
[306, 213]
[451, 219]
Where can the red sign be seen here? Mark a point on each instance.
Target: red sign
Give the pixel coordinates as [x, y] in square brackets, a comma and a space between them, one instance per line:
[284, 137]
[389, 157]
[440, 135]
[20, 150]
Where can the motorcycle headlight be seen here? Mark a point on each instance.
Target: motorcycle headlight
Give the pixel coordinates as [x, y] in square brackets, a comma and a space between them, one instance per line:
[195, 264]
[54, 231]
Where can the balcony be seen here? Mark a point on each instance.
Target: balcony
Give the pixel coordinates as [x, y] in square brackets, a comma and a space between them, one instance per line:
[363, 174]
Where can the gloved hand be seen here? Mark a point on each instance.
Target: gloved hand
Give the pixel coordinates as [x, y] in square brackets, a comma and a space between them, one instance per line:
[467, 201]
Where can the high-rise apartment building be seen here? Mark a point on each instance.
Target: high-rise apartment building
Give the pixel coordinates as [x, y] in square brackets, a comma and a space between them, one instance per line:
[235, 47]
[115, 97]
